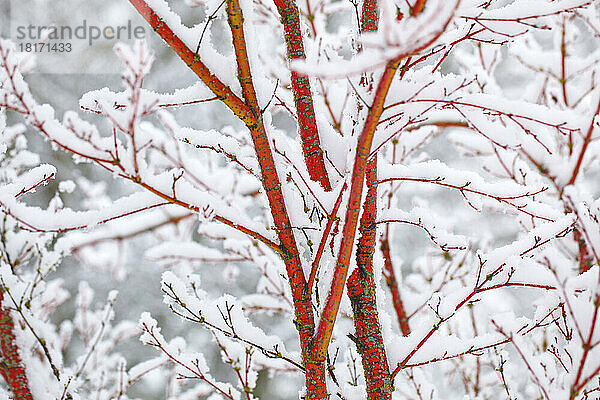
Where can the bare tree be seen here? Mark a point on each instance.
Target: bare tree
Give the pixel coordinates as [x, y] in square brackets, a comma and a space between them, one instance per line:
[398, 107]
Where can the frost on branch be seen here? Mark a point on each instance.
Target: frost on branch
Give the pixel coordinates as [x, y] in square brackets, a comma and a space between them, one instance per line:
[483, 120]
[244, 347]
[31, 295]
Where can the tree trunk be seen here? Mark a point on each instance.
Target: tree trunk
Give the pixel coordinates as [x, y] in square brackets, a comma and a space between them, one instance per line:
[361, 290]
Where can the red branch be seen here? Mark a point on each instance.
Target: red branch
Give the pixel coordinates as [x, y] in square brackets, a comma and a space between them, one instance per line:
[587, 346]
[586, 142]
[585, 259]
[361, 283]
[11, 367]
[249, 112]
[331, 218]
[418, 7]
[501, 199]
[479, 288]
[307, 123]
[369, 16]
[361, 291]
[390, 278]
[363, 148]
[192, 60]
[315, 372]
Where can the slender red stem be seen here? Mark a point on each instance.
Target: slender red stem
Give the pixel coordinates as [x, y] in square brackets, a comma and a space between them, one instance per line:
[331, 218]
[390, 277]
[563, 62]
[587, 346]
[586, 142]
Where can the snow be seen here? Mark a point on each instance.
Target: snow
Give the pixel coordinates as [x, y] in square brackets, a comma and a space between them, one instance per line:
[477, 146]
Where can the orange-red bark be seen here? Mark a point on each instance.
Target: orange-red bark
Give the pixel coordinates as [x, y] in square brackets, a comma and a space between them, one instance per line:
[363, 148]
[361, 291]
[315, 372]
[11, 367]
[193, 61]
[361, 283]
[418, 7]
[249, 112]
[369, 17]
[392, 282]
[307, 123]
